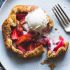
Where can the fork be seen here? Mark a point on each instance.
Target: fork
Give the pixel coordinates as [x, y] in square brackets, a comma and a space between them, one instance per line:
[62, 17]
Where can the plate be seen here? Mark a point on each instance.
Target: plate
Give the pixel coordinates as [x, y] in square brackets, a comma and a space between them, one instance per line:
[12, 62]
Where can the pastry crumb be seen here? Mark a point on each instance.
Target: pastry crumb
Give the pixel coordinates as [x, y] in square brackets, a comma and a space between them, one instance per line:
[52, 66]
[46, 61]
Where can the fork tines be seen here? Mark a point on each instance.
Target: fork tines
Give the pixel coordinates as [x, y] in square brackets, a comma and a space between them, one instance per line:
[61, 15]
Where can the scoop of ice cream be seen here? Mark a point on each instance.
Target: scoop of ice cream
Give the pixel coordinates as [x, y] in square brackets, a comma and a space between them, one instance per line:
[37, 20]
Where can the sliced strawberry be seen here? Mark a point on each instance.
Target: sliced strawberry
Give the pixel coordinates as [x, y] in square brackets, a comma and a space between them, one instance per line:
[23, 38]
[20, 16]
[14, 34]
[21, 48]
[59, 44]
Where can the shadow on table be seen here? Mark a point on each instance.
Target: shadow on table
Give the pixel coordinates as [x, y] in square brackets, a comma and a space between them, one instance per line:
[20, 60]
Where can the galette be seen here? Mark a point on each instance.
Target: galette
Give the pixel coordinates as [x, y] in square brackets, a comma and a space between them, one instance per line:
[24, 28]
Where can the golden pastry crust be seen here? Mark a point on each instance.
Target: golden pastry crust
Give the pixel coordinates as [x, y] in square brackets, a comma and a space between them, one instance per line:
[11, 21]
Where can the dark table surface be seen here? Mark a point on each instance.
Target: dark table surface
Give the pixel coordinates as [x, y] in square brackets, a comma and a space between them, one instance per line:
[1, 67]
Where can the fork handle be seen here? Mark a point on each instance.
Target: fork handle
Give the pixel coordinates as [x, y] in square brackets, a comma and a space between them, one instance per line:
[1, 67]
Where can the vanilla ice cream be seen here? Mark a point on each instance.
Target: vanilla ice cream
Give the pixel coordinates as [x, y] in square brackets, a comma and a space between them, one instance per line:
[37, 20]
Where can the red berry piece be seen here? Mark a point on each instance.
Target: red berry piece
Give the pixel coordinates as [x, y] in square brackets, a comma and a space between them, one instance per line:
[14, 34]
[59, 44]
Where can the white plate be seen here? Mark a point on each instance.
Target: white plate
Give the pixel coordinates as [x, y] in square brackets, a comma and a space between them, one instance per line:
[12, 62]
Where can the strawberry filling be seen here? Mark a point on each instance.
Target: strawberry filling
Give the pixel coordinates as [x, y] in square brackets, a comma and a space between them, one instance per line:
[23, 41]
[59, 44]
[28, 41]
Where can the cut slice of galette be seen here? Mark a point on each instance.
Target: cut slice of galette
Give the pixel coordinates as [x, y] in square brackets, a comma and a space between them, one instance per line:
[56, 48]
[60, 47]
[22, 29]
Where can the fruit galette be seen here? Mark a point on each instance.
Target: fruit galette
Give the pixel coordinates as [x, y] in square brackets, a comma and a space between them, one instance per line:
[23, 29]
[24, 32]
